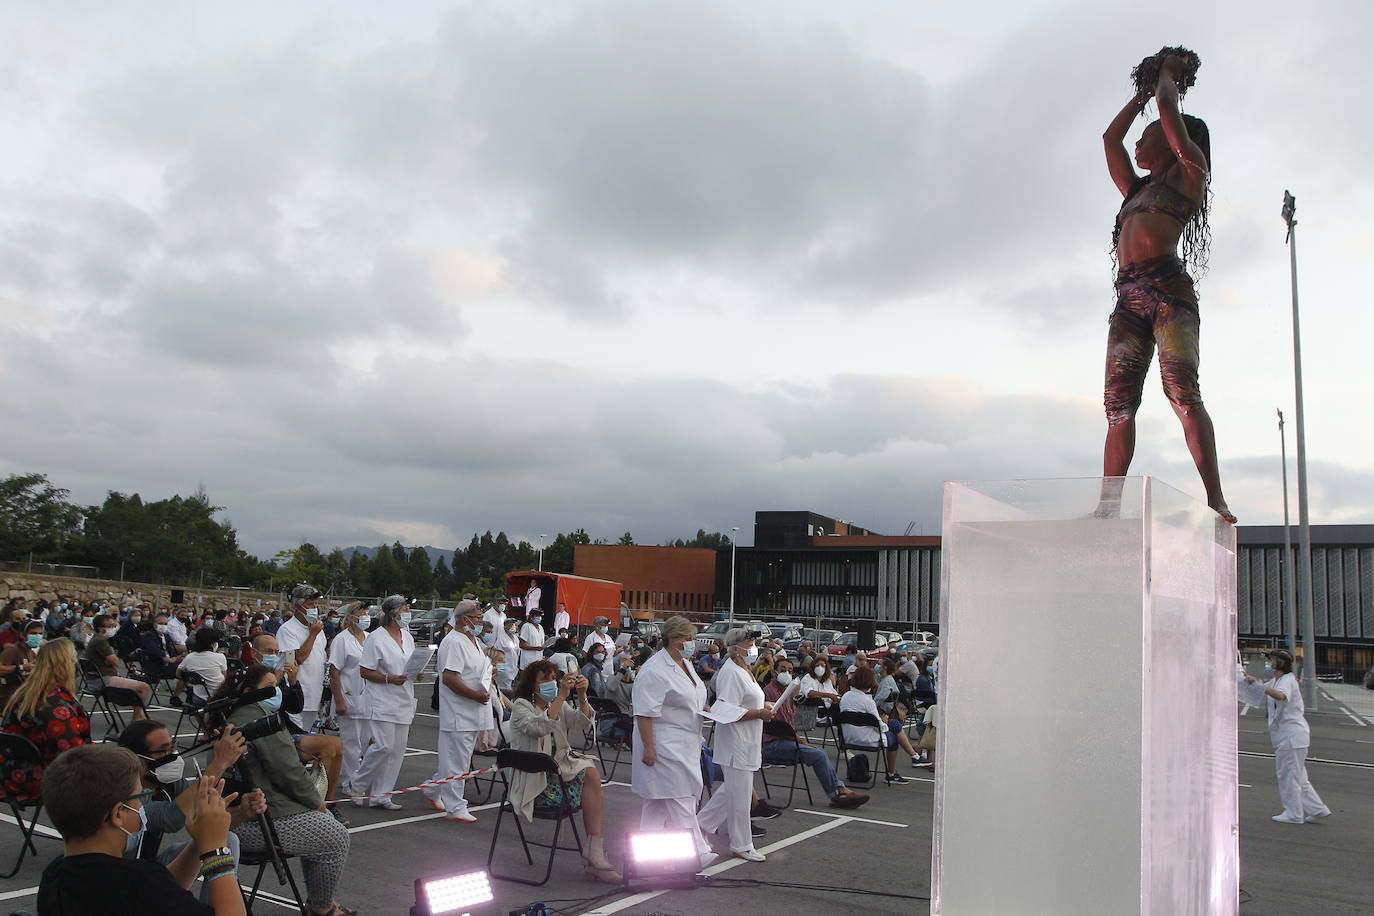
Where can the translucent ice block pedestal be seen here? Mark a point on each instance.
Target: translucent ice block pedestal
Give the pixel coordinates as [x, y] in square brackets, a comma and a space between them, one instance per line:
[1087, 759]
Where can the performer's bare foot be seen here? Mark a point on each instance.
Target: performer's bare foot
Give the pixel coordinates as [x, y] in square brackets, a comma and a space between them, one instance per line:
[1219, 505]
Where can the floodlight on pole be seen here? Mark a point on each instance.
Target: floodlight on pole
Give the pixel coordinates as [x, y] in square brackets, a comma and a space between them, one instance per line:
[1304, 577]
[458, 894]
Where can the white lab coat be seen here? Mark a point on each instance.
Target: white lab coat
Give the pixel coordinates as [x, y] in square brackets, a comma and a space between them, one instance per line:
[459, 654]
[562, 620]
[531, 634]
[344, 654]
[594, 637]
[674, 699]
[310, 673]
[738, 744]
[532, 599]
[495, 617]
[389, 702]
[511, 646]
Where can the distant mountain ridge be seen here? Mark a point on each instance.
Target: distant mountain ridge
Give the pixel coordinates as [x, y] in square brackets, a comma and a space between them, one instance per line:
[434, 553]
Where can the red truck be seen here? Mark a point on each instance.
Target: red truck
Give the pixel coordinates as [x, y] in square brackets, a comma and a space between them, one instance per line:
[585, 599]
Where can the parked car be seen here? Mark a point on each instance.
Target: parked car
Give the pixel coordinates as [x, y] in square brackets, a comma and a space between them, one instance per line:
[819, 639]
[787, 632]
[913, 646]
[427, 627]
[890, 635]
[924, 637]
[845, 640]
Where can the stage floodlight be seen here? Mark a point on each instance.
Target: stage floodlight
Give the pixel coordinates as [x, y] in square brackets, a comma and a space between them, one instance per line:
[458, 894]
[666, 858]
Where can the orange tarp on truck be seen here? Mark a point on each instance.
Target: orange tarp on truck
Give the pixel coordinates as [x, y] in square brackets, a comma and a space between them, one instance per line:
[585, 599]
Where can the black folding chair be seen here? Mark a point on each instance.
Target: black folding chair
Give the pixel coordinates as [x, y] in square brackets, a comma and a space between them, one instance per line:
[193, 704]
[490, 755]
[607, 711]
[19, 751]
[93, 685]
[116, 697]
[844, 748]
[534, 764]
[784, 732]
[272, 855]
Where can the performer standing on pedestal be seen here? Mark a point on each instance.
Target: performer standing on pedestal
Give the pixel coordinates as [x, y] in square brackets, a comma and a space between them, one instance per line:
[1156, 303]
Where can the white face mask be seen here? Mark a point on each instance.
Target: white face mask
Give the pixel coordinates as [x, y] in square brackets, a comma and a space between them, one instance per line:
[110, 632]
[170, 772]
[752, 655]
[818, 671]
[784, 678]
[364, 622]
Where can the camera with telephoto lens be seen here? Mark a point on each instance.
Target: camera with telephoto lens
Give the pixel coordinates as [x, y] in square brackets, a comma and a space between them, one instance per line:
[262, 727]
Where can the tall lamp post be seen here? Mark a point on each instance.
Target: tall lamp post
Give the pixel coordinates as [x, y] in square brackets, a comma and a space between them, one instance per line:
[541, 552]
[734, 536]
[1290, 601]
[1304, 577]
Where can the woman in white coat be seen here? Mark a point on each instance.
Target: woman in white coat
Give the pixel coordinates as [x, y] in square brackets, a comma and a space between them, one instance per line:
[738, 747]
[669, 699]
[1291, 736]
[390, 695]
[465, 695]
[346, 685]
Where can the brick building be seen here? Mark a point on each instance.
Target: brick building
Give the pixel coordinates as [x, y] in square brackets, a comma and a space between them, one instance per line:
[658, 579]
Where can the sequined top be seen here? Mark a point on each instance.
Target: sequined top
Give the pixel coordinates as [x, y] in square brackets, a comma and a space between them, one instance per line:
[1159, 197]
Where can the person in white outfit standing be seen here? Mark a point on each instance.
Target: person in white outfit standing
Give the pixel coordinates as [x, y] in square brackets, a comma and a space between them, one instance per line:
[600, 635]
[1291, 736]
[668, 702]
[738, 743]
[562, 620]
[496, 615]
[531, 639]
[508, 641]
[465, 692]
[303, 636]
[390, 696]
[346, 685]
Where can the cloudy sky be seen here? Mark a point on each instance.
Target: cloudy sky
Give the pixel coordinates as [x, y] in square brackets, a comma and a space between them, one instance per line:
[372, 273]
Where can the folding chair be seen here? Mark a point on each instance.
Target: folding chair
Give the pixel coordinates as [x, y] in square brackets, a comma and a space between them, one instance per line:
[93, 685]
[843, 748]
[272, 855]
[115, 697]
[534, 764]
[607, 711]
[16, 750]
[192, 705]
[784, 732]
[482, 797]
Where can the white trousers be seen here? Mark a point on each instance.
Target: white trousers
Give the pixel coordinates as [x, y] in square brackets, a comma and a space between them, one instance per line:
[354, 733]
[1298, 797]
[455, 756]
[730, 806]
[381, 763]
[673, 814]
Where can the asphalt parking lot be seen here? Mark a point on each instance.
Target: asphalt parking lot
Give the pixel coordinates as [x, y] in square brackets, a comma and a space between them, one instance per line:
[873, 860]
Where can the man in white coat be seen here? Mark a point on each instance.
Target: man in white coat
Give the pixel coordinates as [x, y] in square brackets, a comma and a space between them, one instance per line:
[532, 598]
[465, 692]
[303, 637]
[562, 620]
[496, 614]
[1291, 736]
[600, 635]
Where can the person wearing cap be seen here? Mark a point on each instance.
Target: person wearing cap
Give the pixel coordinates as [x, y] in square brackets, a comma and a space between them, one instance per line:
[496, 614]
[390, 696]
[303, 637]
[738, 747]
[600, 635]
[1290, 735]
[465, 695]
[346, 685]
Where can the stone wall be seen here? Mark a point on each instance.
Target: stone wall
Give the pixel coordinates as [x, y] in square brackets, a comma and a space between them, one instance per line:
[35, 586]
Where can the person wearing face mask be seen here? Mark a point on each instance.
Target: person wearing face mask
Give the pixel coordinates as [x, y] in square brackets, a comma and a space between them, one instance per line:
[595, 670]
[16, 659]
[44, 710]
[101, 652]
[600, 635]
[176, 629]
[668, 703]
[164, 775]
[160, 658]
[466, 693]
[818, 687]
[619, 689]
[541, 721]
[303, 638]
[95, 798]
[346, 687]
[738, 743]
[326, 749]
[1290, 735]
[207, 661]
[859, 698]
[495, 614]
[303, 825]
[532, 638]
[508, 641]
[786, 751]
[709, 662]
[391, 701]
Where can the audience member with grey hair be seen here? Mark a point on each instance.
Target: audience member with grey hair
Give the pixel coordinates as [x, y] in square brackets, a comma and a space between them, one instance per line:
[302, 637]
[390, 696]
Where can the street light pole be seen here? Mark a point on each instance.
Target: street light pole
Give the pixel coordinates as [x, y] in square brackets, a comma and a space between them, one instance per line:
[1309, 649]
[541, 553]
[734, 536]
[1290, 602]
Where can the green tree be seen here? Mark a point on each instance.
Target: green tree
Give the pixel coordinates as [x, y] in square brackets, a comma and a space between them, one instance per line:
[714, 541]
[626, 540]
[419, 573]
[360, 573]
[303, 564]
[443, 578]
[35, 517]
[388, 576]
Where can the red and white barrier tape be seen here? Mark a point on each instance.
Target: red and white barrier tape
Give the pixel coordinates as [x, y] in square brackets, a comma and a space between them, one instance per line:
[424, 785]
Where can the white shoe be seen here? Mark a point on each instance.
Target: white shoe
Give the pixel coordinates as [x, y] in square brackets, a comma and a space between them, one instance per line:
[752, 855]
[708, 858]
[462, 817]
[1313, 818]
[388, 806]
[1286, 818]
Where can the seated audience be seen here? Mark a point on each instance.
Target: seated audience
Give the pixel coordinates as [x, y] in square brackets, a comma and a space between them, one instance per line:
[779, 750]
[17, 658]
[207, 661]
[100, 651]
[160, 657]
[858, 698]
[44, 710]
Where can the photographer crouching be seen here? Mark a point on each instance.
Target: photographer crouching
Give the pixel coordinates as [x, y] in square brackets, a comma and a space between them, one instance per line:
[304, 826]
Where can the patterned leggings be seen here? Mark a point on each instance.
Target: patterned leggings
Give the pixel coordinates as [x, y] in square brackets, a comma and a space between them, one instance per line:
[318, 839]
[1156, 304]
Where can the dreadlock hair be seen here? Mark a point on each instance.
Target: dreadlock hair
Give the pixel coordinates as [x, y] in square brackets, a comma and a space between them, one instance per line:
[1197, 233]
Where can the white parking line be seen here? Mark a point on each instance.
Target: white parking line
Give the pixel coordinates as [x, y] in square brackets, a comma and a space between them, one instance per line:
[636, 899]
[410, 820]
[852, 817]
[40, 830]
[26, 892]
